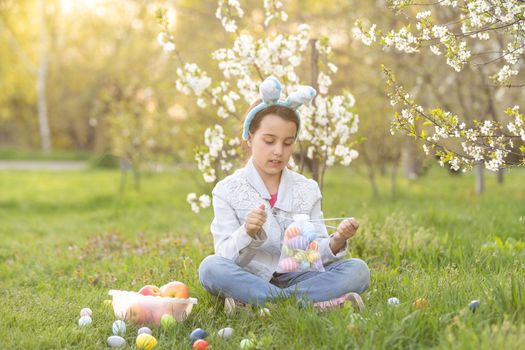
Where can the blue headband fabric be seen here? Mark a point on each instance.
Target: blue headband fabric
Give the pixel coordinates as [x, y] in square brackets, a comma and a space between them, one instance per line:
[270, 93]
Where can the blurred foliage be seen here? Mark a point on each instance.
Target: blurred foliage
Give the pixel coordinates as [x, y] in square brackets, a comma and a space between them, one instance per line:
[104, 58]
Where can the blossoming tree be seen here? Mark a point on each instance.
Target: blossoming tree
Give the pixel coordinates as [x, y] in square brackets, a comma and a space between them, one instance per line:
[328, 123]
[482, 32]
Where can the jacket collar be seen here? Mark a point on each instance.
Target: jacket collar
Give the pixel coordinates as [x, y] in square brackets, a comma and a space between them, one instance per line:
[284, 196]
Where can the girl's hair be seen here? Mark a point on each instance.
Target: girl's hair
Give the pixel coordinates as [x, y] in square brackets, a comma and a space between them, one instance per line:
[285, 113]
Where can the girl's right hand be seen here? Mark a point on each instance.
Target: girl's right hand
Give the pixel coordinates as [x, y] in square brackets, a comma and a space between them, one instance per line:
[254, 220]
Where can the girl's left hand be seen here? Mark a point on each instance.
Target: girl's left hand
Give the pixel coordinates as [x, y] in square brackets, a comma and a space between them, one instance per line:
[347, 228]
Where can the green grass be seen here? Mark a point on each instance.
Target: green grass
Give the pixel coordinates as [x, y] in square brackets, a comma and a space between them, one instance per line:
[67, 238]
[16, 153]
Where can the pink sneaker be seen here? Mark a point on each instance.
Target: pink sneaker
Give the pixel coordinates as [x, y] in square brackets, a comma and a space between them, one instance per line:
[354, 298]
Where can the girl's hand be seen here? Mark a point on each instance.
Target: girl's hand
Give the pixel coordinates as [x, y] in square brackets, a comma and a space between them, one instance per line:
[254, 220]
[346, 229]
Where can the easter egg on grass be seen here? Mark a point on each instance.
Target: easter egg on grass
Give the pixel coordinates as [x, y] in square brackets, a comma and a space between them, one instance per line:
[198, 333]
[84, 321]
[299, 242]
[393, 301]
[119, 327]
[474, 304]
[167, 321]
[420, 303]
[288, 265]
[200, 344]
[146, 341]
[225, 333]
[291, 232]
[145, 330]
[247, 344]
[116, 341]
[86, 312]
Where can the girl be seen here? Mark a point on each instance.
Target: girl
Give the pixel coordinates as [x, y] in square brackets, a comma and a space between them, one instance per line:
[252, 207]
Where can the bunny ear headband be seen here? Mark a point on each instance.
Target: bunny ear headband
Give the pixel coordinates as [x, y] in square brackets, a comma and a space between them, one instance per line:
[270, 93]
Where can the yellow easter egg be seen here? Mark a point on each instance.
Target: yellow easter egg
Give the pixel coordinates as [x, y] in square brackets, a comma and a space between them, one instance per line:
[107, 303]
[313, 256]
[420, 303]
[146, 341]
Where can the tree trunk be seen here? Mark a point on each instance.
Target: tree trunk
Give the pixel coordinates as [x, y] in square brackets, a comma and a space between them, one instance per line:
[480, 178]
[43, 122]
[410, 159]
[393, 175]
[370, 172]
[499, 175]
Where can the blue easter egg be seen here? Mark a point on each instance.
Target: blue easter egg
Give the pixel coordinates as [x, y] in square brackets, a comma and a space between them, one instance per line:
[474, 304]
[299, 242]
[305, 266]
[306, 227]
[198, 333]
[310, 234]
[119, 327]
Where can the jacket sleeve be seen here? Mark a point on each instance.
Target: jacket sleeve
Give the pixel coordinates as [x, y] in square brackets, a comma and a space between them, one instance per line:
[323, 239]
[229, 235]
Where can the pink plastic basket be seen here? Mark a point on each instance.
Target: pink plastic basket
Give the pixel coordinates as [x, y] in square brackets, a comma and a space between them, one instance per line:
[147, 309]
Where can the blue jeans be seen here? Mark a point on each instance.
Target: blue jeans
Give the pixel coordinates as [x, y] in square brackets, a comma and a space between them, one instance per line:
[223, 277]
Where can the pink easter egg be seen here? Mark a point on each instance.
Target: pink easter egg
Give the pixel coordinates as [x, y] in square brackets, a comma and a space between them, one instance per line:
[288, 265]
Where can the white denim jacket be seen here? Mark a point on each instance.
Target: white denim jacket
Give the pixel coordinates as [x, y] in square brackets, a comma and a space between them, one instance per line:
[236, 195]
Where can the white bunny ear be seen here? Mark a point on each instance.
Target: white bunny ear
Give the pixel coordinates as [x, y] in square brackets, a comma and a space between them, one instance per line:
[304, 94]
[270, 90]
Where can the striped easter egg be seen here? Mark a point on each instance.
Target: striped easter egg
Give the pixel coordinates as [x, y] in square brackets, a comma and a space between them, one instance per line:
[288, 265]
[299, 242]
[291, 232]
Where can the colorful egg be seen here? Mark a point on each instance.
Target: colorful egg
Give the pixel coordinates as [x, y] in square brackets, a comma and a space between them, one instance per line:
[299, 242]
[313, 256]
[420, 303]
[146, 341]
[200, 344]
[287, 251]
[107, 303]
[264, 312]
[288, 265]
[86, 312]
[119, 327]
[291, 232]
[247, 344]
[305, 266]
[225, 333]
[393, 301]
[167, 321]
[301, 255]
[318, 265]
[313, 246]
[307, 227]
[84, 321]
[198, 333]
[474, 304]
[144, 330]
[116, 341]
[311, 235]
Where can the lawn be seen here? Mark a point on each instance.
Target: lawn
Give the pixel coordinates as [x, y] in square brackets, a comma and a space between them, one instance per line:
[68, 238]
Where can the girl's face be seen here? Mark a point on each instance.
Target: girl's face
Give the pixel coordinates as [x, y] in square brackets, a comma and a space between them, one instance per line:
[272, 144]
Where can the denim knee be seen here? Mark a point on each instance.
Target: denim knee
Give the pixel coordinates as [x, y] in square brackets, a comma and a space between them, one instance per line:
[359, 275]
[208, 268]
